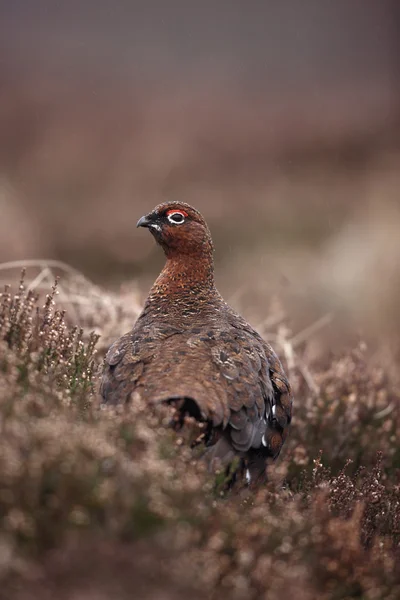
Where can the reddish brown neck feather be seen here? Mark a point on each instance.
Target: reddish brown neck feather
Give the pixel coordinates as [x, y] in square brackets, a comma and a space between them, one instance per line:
[186, 275]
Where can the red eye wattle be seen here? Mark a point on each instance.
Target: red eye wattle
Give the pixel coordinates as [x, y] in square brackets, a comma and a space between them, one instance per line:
[174, 211]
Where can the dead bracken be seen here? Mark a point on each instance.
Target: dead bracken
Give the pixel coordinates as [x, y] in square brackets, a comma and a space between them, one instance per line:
[101, 503]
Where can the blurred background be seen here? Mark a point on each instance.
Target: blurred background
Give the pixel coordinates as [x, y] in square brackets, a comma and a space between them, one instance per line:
[279, 121]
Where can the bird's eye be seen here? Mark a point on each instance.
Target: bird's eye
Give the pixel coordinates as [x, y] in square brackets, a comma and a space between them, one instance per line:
[177, 218]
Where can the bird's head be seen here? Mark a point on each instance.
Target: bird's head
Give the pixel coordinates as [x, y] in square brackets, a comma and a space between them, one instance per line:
[179, 229]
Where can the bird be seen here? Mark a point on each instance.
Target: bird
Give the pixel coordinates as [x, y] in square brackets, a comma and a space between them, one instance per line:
[189, 348]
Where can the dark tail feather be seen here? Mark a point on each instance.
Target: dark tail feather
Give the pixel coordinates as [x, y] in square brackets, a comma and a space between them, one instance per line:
[219, 455]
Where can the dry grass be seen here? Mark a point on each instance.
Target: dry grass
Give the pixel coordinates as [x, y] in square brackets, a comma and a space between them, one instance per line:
[110, 503]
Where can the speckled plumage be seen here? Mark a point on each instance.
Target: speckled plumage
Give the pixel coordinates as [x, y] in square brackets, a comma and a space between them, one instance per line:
[188, 343]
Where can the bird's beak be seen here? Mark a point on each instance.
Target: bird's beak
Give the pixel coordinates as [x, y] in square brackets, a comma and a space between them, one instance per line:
[144, 221]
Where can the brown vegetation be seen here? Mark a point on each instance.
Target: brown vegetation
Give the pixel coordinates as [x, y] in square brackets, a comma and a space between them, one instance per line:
[110, 503]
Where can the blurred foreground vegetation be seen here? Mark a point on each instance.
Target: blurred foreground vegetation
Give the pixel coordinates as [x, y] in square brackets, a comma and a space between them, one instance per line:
[111, 503]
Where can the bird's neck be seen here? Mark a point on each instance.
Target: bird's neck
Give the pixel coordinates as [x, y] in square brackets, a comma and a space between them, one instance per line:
[184, 277]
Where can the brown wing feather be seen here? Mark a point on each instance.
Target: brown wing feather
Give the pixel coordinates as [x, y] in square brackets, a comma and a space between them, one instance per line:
[275, 386]
[229, 371]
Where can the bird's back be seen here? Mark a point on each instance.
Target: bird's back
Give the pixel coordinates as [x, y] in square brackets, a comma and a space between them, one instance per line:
[215, 359]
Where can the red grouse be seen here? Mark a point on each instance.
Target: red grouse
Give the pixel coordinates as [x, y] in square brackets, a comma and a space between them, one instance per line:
[191, 348]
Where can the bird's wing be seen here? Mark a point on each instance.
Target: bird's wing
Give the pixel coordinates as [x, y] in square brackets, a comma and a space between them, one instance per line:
[121, 370]
[276, 388]
[229, 373]
[282, 403]
[234, 377]
[126, 359]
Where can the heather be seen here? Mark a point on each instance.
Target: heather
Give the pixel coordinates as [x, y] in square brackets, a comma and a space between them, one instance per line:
[99, 502]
